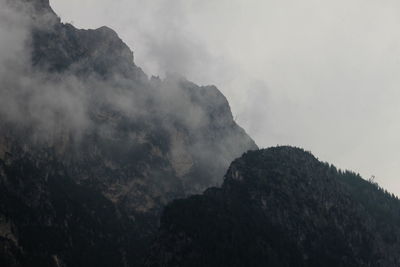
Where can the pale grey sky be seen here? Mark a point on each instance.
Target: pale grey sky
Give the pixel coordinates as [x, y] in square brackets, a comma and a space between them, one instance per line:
[322, 75]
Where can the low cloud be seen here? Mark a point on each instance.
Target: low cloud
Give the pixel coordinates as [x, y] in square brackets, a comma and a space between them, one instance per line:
[329, 70]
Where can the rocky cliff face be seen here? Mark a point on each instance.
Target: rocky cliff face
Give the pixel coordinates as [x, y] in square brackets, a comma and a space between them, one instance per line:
[91, 150]
[282, 207]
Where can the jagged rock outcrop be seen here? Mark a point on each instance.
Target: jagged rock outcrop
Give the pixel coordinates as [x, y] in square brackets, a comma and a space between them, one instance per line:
[282, 207]
[92, 150]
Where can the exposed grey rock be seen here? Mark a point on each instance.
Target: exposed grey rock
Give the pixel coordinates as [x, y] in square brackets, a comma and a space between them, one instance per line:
[97, 149]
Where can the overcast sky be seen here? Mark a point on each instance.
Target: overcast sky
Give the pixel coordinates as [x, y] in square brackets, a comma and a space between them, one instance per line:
[322, 75]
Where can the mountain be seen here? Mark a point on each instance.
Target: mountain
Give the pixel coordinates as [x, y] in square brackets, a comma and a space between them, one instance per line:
[101, 165]
[91, 149]
[282, 207]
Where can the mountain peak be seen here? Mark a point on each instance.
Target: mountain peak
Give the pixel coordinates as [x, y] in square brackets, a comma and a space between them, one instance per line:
[281, 207]
[37, 6]
[39, 11]
[94, 138]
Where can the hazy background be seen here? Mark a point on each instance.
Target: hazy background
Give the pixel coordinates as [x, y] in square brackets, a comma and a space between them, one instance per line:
[322, 75]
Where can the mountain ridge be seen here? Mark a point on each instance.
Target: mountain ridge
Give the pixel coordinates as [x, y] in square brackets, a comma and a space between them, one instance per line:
[90, 148]
[102, 166]
[282, 207]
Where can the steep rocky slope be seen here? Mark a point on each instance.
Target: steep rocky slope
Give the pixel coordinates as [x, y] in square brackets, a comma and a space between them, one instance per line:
[282, 207]
[91, 150]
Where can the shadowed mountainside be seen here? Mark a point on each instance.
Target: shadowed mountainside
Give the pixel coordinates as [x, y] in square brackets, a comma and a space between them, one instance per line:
[282, 207]
[91, 150]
